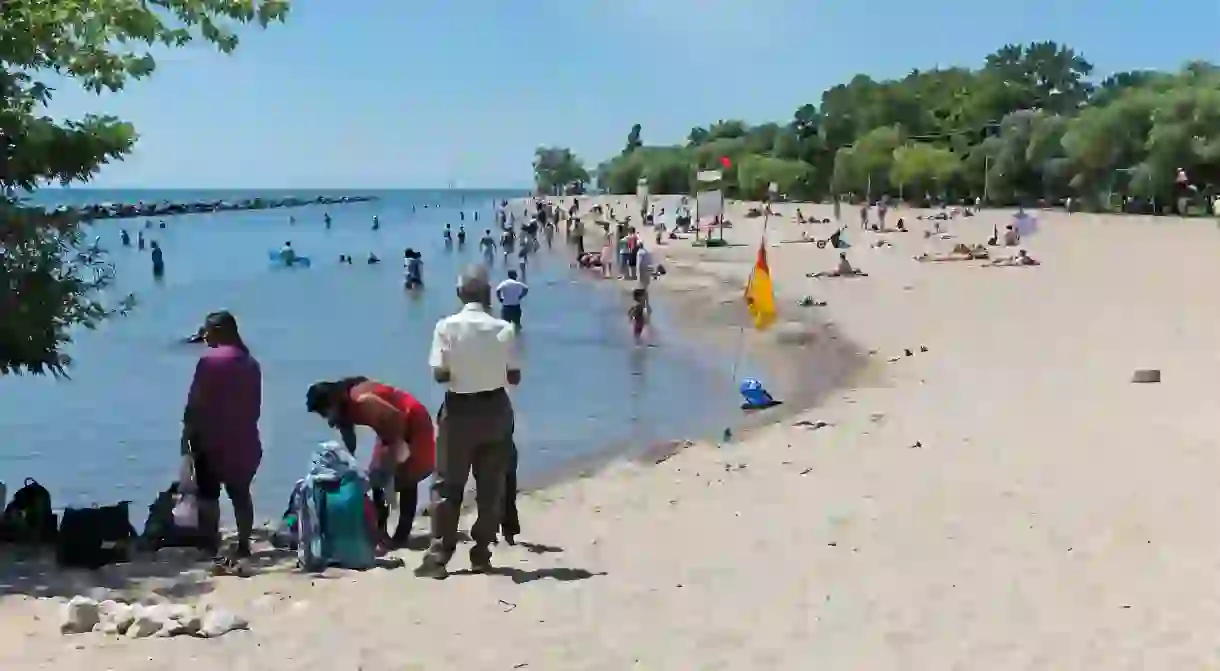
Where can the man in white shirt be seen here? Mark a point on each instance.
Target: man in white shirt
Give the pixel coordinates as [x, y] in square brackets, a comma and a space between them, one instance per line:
[510, 292]
[474, 356]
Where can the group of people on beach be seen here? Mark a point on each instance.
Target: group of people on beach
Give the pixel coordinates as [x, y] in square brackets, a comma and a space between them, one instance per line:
[473, 354]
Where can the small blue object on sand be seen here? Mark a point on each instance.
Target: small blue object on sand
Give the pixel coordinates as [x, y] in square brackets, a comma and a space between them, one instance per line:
[277, 257]
[756, 395]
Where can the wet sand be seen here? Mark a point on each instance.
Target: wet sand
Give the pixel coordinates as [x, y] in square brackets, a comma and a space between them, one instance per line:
[1007, 499]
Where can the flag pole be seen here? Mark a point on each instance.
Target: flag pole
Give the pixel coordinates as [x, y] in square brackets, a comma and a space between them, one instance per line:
[772, 190]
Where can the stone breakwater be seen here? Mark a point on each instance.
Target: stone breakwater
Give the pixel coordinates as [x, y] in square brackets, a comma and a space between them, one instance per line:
[168, 209]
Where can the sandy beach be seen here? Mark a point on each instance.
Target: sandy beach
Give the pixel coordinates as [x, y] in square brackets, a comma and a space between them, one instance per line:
[1007, 499]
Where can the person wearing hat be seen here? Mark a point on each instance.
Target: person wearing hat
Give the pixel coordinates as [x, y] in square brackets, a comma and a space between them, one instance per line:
[220, 429]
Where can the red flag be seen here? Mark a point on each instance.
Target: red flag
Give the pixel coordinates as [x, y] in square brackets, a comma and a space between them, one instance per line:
[724, 160]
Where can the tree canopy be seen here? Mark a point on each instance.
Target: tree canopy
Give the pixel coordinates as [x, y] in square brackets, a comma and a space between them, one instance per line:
[48, 284]
[1029, 124]
[558, 171]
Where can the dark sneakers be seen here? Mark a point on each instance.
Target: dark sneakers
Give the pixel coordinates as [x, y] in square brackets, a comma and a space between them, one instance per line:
[480, 559]
[431, 567]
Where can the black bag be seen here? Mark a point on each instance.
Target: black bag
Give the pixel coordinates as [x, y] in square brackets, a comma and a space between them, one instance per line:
[28, 518]
[93, 537]
[160, 530]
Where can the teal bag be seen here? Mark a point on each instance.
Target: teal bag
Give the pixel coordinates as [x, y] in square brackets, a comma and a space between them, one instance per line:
[346, 541]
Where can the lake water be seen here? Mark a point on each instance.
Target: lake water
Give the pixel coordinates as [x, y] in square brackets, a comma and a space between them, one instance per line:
[111, 432]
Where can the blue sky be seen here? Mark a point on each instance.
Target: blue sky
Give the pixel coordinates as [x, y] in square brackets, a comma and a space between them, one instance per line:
[395, 93]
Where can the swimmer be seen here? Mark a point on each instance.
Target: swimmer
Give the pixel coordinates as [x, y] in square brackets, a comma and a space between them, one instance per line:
[447, 234]
[287, 254]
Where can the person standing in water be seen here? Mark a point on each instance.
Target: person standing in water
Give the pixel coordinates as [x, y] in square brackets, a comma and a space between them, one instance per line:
[287, 254]
[220, 430]
[413, 270]
[461, 236]
[448, 236]
[376, 223]
[326, 220]
[405, 451]
[140, 240]
[510, 292]
[158, 260]
[488, 245]
[125, 238]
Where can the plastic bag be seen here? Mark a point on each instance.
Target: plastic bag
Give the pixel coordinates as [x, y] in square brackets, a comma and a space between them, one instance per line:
[186, 507]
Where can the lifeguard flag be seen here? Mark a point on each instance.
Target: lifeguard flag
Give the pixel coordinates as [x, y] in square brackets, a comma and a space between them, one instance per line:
[760, 294]
[724, 160]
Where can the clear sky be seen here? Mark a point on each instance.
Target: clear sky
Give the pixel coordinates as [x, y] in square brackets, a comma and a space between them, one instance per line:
[399, 93]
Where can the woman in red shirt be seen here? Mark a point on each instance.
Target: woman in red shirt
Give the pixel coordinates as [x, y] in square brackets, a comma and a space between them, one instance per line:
[406, 439]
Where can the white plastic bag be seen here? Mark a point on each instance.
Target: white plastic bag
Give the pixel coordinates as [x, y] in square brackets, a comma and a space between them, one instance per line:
[186, 508]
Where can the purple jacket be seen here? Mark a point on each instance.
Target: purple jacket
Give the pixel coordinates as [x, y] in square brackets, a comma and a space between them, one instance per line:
[224, 405]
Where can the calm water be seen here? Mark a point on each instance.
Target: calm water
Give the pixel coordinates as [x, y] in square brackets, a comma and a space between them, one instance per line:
[111, 432]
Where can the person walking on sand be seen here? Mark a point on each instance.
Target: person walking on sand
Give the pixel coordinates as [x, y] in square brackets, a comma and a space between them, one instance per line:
[220, 431]
[510, 292]
[474, 356]
[405, 452]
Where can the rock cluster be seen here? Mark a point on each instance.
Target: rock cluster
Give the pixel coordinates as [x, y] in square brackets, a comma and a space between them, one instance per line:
[167, 209]
[116, 618]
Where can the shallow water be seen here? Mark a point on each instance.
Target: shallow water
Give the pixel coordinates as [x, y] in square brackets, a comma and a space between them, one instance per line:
[111, 432]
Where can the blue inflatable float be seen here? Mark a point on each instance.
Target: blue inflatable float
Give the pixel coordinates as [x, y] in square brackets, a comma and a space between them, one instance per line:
[277, 258]
[756, 395]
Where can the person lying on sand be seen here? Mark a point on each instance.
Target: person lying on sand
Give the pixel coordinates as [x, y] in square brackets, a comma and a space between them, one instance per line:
[844, 269]
[961, 252]
[1021, 258]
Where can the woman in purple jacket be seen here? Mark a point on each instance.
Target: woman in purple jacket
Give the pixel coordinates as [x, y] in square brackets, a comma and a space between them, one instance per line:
[220, 429]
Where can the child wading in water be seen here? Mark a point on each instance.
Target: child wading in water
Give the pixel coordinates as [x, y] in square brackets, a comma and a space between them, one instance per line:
[638, 313]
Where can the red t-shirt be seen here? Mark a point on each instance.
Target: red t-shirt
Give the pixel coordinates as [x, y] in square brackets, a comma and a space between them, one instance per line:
[421, 434]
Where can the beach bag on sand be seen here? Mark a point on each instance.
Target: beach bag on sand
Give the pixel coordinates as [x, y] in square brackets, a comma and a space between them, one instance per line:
[346, 541]
[28, 518]
[93, 537]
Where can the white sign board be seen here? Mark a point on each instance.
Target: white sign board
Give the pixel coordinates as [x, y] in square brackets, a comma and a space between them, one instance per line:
[641, 188]
[708, 176]
[709, 204]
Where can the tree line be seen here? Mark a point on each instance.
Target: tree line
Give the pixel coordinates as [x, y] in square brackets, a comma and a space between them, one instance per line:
[1031, 124]
[49, 286]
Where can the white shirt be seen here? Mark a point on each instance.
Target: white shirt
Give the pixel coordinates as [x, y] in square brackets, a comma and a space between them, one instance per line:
[511, 291]
[476, 348]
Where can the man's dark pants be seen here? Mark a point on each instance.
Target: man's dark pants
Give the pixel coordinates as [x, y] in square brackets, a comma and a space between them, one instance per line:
[475, 434]
[511, 524]
[511, 314]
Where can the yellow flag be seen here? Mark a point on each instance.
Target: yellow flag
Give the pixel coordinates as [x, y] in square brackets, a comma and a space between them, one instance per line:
[760, 294]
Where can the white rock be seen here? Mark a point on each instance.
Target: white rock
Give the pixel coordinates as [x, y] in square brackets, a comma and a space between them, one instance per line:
[218, 622]
[79, 615]
[148, 621]
[115, 617]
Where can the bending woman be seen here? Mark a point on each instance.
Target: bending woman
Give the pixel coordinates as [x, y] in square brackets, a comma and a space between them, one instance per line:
[220, 429]
[406, 439]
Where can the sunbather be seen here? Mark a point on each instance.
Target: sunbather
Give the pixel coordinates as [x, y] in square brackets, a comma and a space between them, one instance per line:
[961, 252]
[1021, 258]
[844, 269]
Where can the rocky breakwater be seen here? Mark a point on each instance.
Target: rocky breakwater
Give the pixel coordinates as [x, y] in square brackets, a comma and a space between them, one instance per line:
[169, 209]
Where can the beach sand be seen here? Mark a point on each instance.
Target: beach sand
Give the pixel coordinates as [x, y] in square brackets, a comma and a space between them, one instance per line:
[1007, 499]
